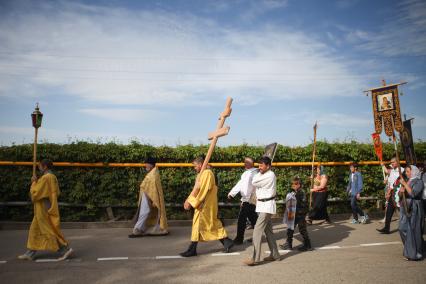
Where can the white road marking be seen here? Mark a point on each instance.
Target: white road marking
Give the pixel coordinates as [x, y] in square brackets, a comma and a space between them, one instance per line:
[3, 261]
[47, 260]
[280, 251]
[142, 258]
[345, 247]
[112, 258]
[329, 247]
[379, 244]
[225, 254]
[168, 257]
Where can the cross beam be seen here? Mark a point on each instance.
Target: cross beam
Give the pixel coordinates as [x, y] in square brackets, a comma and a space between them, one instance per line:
[219, 132]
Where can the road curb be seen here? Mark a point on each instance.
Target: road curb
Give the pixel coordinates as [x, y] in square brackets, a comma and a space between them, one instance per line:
[12, 225]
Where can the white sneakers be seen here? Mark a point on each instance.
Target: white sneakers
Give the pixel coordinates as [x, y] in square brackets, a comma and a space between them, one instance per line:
[365, 219]
[67, 253]
[28, 255]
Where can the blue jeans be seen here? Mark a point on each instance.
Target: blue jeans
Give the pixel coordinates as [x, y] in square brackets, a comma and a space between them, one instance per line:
[355, 208]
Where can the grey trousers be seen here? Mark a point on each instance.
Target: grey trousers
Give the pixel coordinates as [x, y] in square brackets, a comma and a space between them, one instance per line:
[264, 225]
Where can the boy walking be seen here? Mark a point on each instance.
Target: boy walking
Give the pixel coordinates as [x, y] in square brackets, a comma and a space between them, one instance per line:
[296, 210]
[354, 190]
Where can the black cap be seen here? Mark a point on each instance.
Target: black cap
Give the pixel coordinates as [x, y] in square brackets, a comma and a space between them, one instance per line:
[151, 160]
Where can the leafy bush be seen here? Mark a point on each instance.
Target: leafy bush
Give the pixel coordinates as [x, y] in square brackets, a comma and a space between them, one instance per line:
[94, 187]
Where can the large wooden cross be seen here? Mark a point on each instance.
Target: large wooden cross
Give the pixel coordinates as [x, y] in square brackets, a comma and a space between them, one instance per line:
[214, 136]
[219, 132]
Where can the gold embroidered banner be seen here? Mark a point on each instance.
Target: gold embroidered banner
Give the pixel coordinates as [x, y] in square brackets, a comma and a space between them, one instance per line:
[386, 108]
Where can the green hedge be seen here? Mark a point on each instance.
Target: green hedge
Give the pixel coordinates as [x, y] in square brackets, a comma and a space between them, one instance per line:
[120, 186]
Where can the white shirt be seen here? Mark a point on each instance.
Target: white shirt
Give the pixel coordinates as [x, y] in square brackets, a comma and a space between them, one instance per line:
[393, 176]
[244, 185]
[266, 187]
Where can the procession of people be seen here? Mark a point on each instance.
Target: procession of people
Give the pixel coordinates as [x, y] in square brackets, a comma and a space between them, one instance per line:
[257, 188]
[405, 190]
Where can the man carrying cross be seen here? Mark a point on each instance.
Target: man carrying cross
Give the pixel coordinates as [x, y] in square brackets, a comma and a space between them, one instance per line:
[205, 224]
[203, 198]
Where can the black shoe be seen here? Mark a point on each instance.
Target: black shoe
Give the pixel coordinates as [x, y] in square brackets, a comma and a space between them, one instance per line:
[238, 242]
[306, 246]
[188, 253]
[228, 244]
[191, 251]
[383, 231]
[287, 246]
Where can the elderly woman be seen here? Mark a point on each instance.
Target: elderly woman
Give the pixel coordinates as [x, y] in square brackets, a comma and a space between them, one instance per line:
[319, 197]
[411, 223]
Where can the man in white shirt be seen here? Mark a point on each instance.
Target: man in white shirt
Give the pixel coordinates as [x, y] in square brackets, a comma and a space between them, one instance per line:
[266, 191]
[391, 181]
[248, 204]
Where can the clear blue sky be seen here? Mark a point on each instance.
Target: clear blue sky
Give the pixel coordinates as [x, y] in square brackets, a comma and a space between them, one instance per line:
[160, 71]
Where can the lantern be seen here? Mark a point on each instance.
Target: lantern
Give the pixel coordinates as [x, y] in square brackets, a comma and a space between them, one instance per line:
[37, 117]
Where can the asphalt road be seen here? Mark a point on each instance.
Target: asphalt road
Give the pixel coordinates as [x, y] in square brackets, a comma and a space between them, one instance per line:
[344, 253]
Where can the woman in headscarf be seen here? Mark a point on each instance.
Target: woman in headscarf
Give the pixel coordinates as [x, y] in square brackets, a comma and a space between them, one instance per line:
[411, 222]
[319, 197]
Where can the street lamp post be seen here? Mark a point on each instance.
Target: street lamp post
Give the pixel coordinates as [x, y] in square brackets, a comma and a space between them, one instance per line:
[36, 117]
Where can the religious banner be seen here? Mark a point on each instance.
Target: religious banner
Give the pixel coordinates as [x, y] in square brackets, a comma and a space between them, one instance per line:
[406, 137]
[270, 151]
[386, 109]
[387, 114]
[378, 147]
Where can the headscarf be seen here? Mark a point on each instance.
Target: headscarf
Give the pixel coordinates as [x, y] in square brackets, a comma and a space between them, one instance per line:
[415, 173]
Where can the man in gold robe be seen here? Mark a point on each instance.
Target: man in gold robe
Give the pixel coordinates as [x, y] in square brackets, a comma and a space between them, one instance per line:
[205, 224]
[151, 215]
[45, 232]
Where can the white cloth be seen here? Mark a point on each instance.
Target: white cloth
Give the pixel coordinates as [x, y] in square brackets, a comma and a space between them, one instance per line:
[266, 187]
[290, 210]
[244, 186]
[352, 177]
[144, 211]
[393, 176]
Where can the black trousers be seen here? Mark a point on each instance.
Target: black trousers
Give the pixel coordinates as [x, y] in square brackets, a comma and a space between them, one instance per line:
[301, 223]
[247, 211]
[390, 209]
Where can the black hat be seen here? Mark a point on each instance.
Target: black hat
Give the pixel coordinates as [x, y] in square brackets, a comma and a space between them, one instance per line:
[150, 160]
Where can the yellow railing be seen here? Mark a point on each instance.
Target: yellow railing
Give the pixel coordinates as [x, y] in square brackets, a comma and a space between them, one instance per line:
[182, 165]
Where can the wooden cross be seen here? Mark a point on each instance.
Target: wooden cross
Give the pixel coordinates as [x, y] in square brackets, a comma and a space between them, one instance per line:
[214, 136]
[219, 132]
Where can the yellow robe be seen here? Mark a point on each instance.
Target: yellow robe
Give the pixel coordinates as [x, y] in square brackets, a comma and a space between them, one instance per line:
[151, 186]
[45, 232]
[205, 224]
